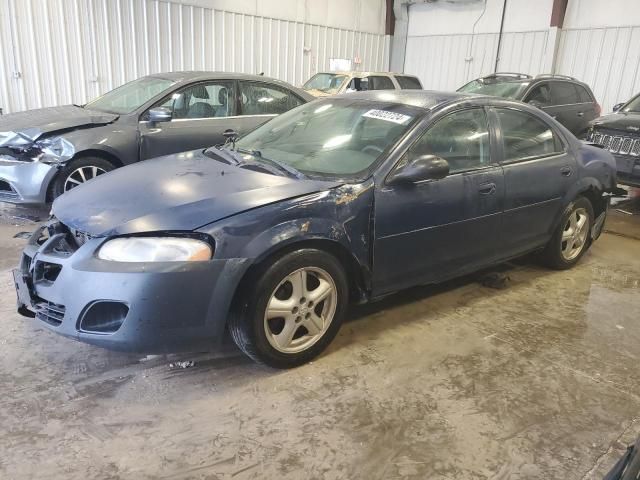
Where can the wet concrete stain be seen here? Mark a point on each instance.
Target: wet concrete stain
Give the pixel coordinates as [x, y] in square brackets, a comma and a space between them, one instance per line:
[537, 380]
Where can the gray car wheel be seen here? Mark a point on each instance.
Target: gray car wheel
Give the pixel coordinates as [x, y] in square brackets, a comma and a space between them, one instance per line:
[572, 236]
[77, 172]
[291, 308]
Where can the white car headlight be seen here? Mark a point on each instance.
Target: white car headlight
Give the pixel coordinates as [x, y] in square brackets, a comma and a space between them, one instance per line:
[155, 249]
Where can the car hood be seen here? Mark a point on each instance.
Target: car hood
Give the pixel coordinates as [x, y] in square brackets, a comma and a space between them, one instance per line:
[178, 192]
[629, 121]
[23, 128]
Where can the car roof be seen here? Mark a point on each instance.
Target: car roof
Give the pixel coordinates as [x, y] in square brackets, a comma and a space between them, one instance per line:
[359, 73]
[196, 76]
[426, 99]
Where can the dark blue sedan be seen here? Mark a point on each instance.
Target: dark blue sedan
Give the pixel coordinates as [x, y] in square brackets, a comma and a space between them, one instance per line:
[341, 200]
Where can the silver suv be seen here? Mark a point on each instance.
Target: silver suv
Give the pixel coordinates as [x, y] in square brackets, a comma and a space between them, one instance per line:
[333, 83]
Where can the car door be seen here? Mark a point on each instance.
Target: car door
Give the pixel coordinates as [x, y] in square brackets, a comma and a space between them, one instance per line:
[261, 101]
[201, 113]
[566, 106]
[431, 230]
[588, 111]
[538, 172]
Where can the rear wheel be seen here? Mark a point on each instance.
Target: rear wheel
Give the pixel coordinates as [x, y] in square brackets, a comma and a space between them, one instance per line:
[78, 172]
[294, 309]
[572, 237]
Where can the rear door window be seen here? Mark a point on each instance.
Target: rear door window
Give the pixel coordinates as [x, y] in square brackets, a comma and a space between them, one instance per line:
[564, 93]
[263, 99]
[583, 95]
[408, 83]
[526, 136]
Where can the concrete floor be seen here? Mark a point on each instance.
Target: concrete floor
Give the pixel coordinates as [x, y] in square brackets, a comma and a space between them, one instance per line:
[537, 380]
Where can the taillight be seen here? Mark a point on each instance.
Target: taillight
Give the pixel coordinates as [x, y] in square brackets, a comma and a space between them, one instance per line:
[598, 109]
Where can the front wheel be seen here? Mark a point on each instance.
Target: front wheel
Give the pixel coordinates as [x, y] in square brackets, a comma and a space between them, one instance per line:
[77, 172]
[292, 310]
[572, 238]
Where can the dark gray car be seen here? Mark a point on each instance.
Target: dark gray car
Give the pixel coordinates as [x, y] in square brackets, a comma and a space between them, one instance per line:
[566, 99]
[45, 152]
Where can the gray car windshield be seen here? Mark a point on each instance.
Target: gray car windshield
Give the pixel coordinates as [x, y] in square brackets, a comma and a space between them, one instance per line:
[497, 89]
[325, 82]
[130, 96]
[333, 137]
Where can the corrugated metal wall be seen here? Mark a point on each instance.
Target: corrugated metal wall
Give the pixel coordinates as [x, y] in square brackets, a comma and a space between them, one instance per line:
[608, 59]
[446, 62]
[56, 52]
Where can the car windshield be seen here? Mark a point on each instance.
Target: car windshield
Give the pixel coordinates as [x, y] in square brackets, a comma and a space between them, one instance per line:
[633, 105]
[507, 89]
[130, 96]
[334, 138]
[325, 82]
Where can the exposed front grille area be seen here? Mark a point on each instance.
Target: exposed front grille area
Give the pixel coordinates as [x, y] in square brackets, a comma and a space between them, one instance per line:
[50, 313]
[622, 144]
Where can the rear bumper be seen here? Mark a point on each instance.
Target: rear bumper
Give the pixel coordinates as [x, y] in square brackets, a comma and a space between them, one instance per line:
[25, 182]
[162, 307]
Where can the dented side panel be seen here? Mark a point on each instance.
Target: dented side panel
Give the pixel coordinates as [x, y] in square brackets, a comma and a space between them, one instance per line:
[342, 215]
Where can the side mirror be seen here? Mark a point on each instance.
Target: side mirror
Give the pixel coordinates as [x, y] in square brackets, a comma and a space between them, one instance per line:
[418, 169]
[160, 114]
[618, 106]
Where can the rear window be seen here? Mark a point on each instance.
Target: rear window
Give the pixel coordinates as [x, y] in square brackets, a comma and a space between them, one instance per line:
[583, 94]
[408, 83]
[564, 93]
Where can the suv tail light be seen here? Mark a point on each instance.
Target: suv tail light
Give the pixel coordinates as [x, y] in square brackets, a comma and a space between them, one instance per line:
[598, 109]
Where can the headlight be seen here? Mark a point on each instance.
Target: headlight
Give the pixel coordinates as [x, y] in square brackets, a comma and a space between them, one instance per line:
[155, 249]
[55, 149]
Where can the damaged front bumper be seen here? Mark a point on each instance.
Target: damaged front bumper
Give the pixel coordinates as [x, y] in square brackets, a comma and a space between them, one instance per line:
[25, 182]
[143, 307]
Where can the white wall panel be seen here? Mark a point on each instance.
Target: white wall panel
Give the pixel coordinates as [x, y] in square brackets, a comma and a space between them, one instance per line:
[69, 51]
[608, 59]
[446, 62]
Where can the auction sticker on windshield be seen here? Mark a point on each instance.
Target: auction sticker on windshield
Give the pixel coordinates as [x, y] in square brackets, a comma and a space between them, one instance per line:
[388, 116]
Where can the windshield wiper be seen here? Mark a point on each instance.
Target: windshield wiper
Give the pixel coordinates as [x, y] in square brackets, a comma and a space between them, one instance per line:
[283, 167]
[222, 153]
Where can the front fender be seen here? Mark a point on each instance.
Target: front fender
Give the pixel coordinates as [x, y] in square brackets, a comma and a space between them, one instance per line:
[119, 140]
[341, 216]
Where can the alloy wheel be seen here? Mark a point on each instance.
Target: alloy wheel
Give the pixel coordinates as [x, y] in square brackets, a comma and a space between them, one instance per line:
[81, 175]
[300, 310]
[574, 234]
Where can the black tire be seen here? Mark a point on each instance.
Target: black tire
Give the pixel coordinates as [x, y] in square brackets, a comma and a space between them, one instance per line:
[552, 254]
[247, 322]
[58, 186]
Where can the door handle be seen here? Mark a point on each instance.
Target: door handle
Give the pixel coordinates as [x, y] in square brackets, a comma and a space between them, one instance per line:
[581, 114]
[566, 171]
[487, 189]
